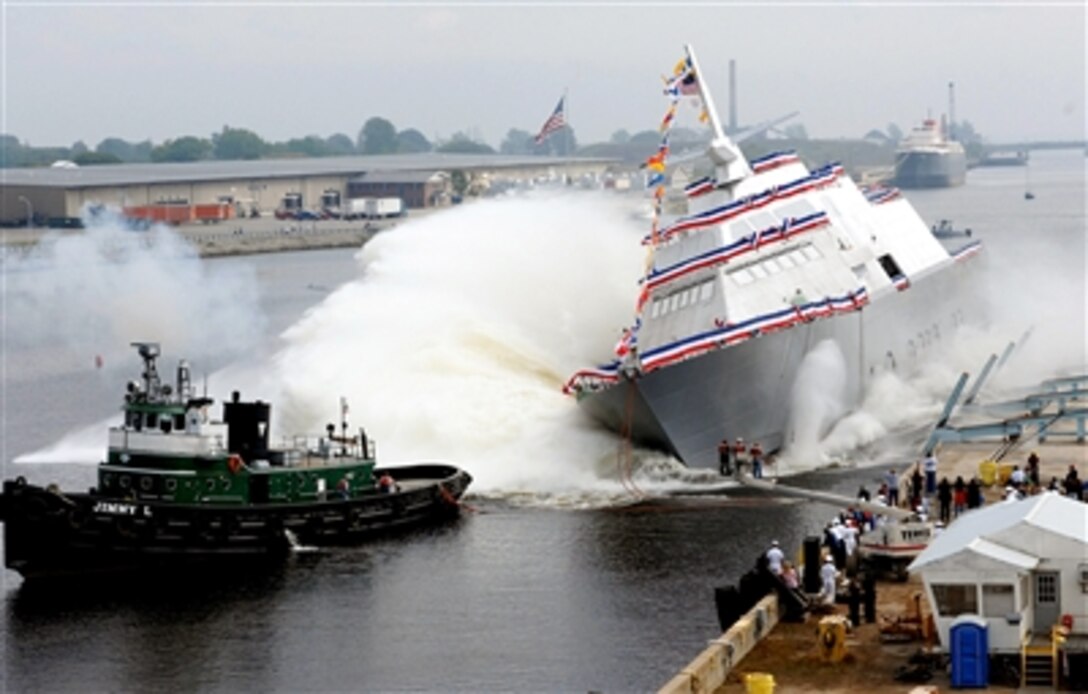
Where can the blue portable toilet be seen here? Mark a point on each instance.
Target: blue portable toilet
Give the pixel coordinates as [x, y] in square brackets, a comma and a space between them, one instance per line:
[969, 646]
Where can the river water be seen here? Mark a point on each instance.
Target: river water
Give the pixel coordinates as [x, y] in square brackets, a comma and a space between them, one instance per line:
[450, 337]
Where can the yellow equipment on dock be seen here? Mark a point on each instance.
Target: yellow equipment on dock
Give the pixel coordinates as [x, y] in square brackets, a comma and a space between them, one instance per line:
[758, 683]
[833, 639]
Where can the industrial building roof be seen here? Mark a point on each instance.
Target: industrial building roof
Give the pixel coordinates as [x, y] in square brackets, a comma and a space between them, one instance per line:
[128, 174]
[394, 176]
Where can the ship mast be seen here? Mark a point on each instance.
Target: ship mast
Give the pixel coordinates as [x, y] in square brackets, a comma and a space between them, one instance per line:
[951, 111]
[729, 163]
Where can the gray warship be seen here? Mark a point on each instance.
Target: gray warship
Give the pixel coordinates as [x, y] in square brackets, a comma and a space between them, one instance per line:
[771, 265]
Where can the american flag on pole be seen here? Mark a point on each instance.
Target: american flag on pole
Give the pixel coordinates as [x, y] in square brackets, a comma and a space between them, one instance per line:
[556, 121]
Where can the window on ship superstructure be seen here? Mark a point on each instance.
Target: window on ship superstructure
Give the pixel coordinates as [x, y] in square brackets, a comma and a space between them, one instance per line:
[706, 290]
[742, 276]
[891, 268]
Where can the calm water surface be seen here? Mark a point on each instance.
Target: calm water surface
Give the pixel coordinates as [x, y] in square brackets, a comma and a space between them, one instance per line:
[508, 598]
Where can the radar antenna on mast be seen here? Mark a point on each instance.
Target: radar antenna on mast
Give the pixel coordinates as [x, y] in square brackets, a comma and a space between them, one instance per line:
[149, 352]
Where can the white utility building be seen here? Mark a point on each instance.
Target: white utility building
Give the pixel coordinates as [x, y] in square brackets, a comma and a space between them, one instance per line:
[1020, 565]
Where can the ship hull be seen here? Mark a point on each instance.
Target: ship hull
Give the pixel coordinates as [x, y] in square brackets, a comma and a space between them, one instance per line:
[928, 169]
[747, 390]
[48, 533]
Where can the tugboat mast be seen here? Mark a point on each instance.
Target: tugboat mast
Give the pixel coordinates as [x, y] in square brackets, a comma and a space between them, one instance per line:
[149, 351]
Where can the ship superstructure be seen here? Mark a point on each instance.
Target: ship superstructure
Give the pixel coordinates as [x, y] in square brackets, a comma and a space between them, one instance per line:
[771, 260]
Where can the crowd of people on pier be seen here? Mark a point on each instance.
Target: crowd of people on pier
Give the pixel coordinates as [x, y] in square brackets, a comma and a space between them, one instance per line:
[920, 489]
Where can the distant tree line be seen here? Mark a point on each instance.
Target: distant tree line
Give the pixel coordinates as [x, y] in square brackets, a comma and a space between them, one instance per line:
[380, 136]
[377, 136]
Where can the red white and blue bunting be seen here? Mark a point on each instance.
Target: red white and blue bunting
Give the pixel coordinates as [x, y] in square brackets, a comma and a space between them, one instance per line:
[774, 160]
[788, 229]
[967, 251]
[722, 335]
[878, 195]
[821, 178]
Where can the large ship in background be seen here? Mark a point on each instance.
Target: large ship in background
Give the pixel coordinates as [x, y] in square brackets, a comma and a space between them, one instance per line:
[774, 269]
[926, 158]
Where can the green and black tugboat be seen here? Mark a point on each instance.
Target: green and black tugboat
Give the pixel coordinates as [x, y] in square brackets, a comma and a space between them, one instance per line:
[178, 488]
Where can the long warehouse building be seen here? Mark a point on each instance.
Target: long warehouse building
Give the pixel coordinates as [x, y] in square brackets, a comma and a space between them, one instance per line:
[57, 195]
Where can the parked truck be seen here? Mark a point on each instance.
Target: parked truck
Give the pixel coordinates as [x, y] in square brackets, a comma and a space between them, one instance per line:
[373, 208]
[387, 207]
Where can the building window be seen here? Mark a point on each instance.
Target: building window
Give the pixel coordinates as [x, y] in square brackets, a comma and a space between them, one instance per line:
[997, 600]
[1046, 588]
[955, 599]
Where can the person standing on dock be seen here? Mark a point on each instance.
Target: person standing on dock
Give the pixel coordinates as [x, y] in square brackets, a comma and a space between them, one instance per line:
[789, 576]
[775, 558]
[916, 487]
[944, 498]
[892, 480]
[959, 496]
[930, 466]
[725, 461]
[1033, 469]
[739, 450]
[756, 454]
[974, 493]
[1073, 487]
[828, 575]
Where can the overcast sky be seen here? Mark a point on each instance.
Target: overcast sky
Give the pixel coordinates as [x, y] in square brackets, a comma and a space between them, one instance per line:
[84, 72]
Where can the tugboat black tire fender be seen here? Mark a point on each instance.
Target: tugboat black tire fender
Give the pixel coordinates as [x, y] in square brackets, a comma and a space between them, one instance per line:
[78, 517]
[123, 527]
[354, 517]
[35, 509]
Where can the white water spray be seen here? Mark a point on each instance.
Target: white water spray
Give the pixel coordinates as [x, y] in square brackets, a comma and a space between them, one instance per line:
[93, 293]
[455, 342]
